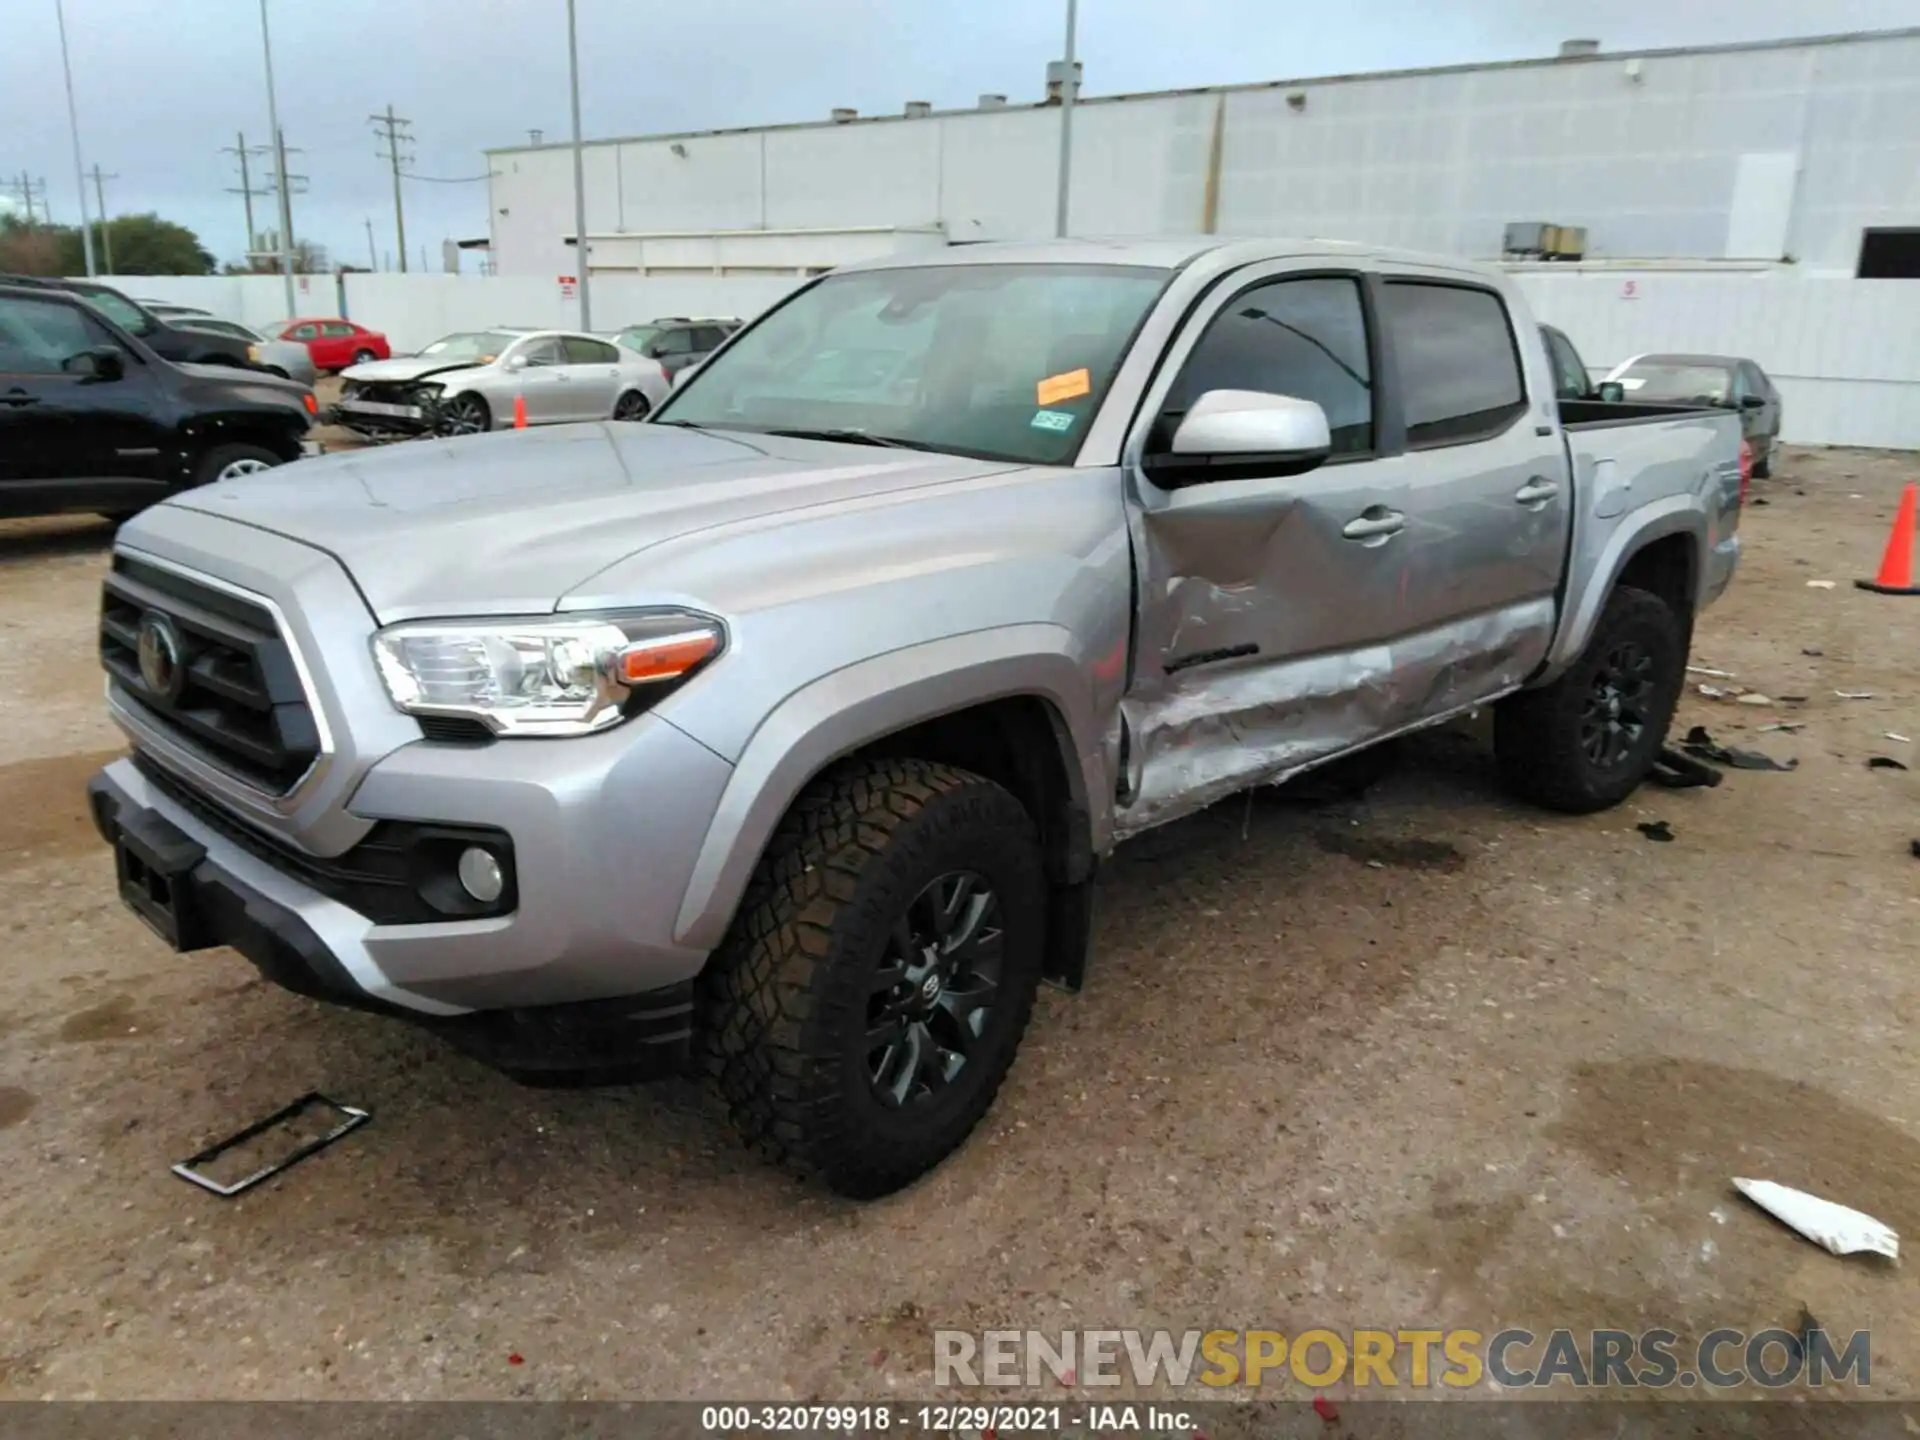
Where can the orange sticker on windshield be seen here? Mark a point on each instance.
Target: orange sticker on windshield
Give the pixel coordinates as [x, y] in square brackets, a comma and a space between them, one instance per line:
[1068, 386]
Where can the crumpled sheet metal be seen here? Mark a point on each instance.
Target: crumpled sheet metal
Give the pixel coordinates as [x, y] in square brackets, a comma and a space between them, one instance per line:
[1202, 735]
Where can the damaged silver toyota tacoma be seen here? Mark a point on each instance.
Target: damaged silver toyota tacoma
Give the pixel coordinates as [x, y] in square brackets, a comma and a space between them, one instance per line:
[779, 737]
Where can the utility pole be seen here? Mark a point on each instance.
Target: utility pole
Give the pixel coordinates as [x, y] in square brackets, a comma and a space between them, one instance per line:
[25, 189]
[246, 191]
[280, 157]
[294, 186]
[73, 125]
[373, 259]
[1069, 85]
[392, 130]
[580, 262]
[100, 209]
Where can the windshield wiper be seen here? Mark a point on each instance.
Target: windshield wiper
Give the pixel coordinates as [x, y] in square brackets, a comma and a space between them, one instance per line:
[851, 437]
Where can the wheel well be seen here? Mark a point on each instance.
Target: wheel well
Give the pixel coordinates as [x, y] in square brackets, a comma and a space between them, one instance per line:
[1665, 568]
[277, 438]
[1016, 742]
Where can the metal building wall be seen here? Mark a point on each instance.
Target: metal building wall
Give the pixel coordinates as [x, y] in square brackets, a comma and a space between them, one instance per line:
[1756, 152]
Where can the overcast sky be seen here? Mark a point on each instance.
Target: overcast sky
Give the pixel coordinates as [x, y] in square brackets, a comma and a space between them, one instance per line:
[162, 85]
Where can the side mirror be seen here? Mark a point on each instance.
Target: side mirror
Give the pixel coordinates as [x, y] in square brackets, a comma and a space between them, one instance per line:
[1753, 402]
[518, 362]
[1243, 434]
[102, 362]
[1612, 391]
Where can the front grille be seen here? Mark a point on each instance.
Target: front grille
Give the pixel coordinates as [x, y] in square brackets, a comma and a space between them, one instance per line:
[400, 874]
[233, 694]
[454, 730]
[381, 392]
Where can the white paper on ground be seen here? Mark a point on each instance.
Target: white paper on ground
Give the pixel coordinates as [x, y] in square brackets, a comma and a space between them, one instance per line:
[1835, 1228]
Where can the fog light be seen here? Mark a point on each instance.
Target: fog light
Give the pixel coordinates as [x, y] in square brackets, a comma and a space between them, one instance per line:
[480, 875]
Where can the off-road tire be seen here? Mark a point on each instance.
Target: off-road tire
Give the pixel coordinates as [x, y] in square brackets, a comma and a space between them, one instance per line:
[207, 469]
[1537, 733]
[781, 1009]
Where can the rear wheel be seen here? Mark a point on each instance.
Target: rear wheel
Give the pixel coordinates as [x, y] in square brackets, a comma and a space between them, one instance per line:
[1586, 741]
[364, 357]
[465, 415]
[232, 462]
[868, 1001]
[631, 406]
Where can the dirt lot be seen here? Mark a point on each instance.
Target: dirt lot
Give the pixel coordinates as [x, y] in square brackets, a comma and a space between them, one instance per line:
[1424, 1058]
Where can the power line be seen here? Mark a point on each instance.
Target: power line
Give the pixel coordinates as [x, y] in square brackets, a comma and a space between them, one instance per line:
[246, 189]
[100, 195]
[452, 179]
[393, 130]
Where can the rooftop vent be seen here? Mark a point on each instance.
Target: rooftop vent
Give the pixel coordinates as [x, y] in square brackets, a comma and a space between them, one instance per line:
[1056, 78]
[993, 102]
[916, 109]
[1573, 49]
[842, 114]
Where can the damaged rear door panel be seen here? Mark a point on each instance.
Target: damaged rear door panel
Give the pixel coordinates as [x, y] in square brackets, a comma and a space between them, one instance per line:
[1285, 619]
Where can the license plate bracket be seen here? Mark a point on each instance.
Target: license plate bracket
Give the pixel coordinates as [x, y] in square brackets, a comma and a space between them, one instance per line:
[352, 1118]
[153, 861]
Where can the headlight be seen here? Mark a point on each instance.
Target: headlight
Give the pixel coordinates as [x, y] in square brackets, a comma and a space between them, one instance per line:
[550, 676]
[427, 390]
[253, 354]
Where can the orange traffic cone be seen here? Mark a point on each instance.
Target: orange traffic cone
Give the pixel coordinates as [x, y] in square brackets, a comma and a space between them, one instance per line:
[519, 412]
[1896, 566]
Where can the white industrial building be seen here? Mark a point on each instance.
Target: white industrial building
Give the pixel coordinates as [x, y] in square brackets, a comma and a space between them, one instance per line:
[1792, 150]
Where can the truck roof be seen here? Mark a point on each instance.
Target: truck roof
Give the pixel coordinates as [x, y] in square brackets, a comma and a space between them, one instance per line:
[1168, 252]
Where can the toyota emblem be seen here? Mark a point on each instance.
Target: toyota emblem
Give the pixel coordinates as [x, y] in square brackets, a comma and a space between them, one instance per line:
[162, 670]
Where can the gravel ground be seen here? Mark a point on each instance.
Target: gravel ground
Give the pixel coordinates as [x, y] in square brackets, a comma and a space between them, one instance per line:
[1421, 1058]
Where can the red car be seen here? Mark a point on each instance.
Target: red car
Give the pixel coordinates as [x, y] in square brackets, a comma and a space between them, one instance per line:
[334, 344]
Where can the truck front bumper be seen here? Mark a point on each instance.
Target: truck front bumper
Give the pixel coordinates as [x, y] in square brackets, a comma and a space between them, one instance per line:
[581, 973]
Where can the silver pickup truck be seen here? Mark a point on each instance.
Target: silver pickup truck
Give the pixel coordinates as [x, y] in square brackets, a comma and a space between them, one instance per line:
[778, 737]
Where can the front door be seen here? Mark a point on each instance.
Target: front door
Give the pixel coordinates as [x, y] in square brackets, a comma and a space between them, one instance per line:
[593, 368]
[543, 383]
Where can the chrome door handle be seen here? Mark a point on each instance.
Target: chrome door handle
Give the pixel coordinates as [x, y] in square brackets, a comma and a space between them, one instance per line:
[1536, 491]
[1376, 523]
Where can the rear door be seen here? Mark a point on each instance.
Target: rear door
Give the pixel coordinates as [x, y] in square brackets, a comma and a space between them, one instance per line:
[336, 345]
[593, 368]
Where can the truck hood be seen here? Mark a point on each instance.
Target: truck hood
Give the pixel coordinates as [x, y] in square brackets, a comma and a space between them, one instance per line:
[512, 523]
[409, 367]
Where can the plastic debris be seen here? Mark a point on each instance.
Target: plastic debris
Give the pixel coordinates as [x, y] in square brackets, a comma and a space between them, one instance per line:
[1883, 762]
[1820, 584]
[1853, 694]
[1834, 1228]
[1903, 739]
[1326, 1410]
[1753, 697]
[1709, 670]
[1700, 743]
[1676, 770]
[1713, 692]
[1655, 830]
[1784, 725]
[1813, 652]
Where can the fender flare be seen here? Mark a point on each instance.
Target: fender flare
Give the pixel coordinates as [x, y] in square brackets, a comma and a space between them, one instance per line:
[842, 712]
[1676, 515]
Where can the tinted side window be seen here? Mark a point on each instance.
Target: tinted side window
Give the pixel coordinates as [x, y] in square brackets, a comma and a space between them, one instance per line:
[674, 342]
[1569, 375]
[1304, 338]
[581, 351]
[544, 352]
[37, 337]
[336, 329]
[708, 337]
[1459, 369]
[305, 332]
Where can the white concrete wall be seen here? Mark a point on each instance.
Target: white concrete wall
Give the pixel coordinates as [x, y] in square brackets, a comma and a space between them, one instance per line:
[1754, 153]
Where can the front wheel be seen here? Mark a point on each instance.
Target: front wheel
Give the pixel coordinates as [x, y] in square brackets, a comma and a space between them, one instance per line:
[631, 406]
[231, 462]
[1586, 741]
[465, 415]
[863, 1010]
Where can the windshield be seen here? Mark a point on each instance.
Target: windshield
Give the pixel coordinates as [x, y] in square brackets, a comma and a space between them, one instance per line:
[122, 311]
[476, 345]
[1703, 384]
[1004, 362]
[635, 337]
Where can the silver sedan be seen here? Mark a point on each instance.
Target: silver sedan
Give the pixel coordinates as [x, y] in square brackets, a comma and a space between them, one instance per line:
[283, 357]
[464, 384]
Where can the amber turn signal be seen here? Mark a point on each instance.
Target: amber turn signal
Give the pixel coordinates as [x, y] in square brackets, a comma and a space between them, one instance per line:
[667, 658]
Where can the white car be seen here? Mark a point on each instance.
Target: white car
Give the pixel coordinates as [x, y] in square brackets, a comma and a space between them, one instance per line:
[468, 382]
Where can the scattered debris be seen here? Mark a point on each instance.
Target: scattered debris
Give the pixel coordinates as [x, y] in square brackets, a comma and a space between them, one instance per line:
[1813, 652]
[1655, 830]
[1700, 743]
[1713, 692]
[1784, 725]
[1882, 762]
[1326, 1410]
[1837, 1229]
[1676, 770]
[516, 1358]
[1793, 699]
[1708, 670]
[1853, 694]
[1758, 500]
[1903, 739]
[1754, 697]
[312, 1140]
[1820, 584]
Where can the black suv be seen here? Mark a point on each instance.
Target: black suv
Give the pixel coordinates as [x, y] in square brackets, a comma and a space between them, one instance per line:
[92, 419]
[182, 346]
[677, 341]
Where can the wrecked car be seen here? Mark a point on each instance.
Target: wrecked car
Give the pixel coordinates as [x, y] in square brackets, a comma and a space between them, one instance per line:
[779, 738]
